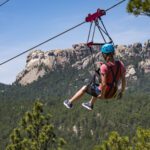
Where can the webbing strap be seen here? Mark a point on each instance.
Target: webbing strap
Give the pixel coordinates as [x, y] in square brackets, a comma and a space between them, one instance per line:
[96, 74]
[114, 76]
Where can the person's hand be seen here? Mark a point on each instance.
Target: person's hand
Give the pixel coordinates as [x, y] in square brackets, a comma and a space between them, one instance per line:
[99, 96]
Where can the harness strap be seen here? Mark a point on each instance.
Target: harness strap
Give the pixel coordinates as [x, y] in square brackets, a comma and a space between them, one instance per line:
[96, 74]
[111, 85]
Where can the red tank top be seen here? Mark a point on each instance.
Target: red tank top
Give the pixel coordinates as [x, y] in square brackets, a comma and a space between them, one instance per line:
[108, 68]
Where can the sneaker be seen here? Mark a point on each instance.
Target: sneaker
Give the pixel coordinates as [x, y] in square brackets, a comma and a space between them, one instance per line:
[68, 104]
[87, 106]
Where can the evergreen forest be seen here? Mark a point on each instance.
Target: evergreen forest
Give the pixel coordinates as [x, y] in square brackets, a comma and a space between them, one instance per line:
[78, 127]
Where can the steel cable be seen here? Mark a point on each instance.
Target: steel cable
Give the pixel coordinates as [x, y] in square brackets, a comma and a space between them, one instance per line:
[42, 43]
[53, 36]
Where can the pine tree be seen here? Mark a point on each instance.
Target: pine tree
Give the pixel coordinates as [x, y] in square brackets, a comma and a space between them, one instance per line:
[35, 132]
[139, 7]
[115, 142]
[141, 141]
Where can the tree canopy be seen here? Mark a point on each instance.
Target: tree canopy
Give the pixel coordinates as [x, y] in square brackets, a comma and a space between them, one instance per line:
[35, 132]
[116, 142]
[139, 7]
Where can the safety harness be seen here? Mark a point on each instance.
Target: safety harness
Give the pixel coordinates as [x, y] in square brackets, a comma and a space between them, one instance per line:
[113, 85]
[96, 79]
[96, 18]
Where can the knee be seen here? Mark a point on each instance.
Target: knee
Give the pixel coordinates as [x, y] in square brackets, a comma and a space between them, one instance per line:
[84, 88]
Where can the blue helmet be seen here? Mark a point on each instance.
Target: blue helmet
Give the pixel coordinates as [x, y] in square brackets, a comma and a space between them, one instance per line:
[107, 48]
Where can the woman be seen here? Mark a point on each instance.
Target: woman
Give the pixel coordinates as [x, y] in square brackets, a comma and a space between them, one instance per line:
[111, 72]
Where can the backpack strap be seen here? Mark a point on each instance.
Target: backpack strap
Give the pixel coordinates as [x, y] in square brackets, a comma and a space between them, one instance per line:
[115, 75]
[114, 82]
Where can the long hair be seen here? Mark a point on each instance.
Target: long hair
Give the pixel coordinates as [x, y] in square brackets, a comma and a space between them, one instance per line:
[109, 56]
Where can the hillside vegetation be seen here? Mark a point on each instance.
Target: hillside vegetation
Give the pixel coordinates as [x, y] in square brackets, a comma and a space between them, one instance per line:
[79, 127]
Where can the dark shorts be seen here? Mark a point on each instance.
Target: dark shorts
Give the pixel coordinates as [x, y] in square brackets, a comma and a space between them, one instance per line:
[93, 90]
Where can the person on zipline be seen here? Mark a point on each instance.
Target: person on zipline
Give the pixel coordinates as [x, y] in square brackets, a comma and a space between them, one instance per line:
[111, 73]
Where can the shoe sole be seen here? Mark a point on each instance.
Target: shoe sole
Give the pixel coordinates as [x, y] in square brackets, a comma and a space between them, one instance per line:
[67, 106]
[86, 106]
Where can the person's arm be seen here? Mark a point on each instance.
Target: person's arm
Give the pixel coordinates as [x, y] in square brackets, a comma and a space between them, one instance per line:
[123, 85]
[103, 73]
[103, 86]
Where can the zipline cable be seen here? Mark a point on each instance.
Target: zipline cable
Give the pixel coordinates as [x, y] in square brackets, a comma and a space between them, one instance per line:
[42, 43]
[4, 3]
[93, 32]
[100, 30]
[89, 32]
[106, 32]
[115, 5]
[53, 36]
[90, 48]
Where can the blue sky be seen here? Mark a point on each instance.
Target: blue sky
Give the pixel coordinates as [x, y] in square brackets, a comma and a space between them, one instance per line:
[25, 23]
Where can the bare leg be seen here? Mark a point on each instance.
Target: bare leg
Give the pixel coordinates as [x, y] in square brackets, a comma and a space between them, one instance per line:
[78, 95]
[93, 100]
[89, 105]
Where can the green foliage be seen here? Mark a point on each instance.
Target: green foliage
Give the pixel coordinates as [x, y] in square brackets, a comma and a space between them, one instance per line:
[35, 132]
[139, 7]
[115, 142]
[123, 116]
[82, 129]
[141, 141]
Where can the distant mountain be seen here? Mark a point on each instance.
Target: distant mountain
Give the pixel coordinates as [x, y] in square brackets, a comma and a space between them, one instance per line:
[59, 73]
[136, 58]
[3, 86]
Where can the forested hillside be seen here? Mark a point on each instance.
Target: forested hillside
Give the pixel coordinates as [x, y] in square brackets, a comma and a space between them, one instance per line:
[70, 71]
[78, 126]
[32, 111]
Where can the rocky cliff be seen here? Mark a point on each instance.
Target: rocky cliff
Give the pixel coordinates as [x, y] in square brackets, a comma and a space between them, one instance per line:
[39, 63]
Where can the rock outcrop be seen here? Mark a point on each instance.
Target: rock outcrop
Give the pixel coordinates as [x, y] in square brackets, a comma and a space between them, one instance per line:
[38, 63]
